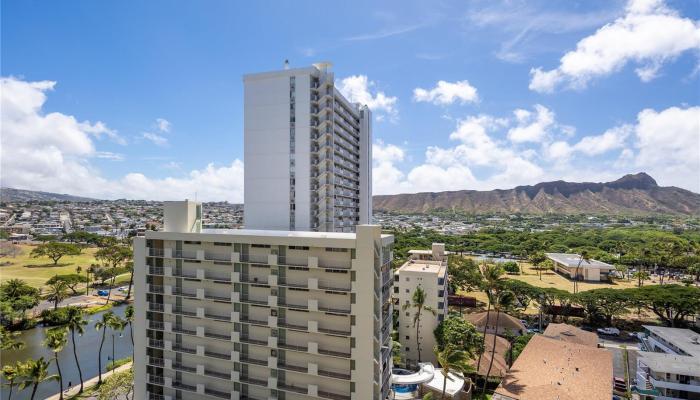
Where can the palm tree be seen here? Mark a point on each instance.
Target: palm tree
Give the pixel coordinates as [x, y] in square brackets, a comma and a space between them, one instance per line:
[106, 322]
[493, 275]
[55, 340]
[129, 319]
[419, 298]
[76, 323]
[452, 359]
[11, 373]
[34, 373]
[58, 291]
[503, 300]
[583, 257]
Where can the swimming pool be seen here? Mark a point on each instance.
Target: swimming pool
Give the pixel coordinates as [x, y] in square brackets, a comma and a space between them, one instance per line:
[404, 388]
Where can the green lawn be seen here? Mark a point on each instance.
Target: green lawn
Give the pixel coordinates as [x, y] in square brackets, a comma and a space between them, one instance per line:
[36, 271]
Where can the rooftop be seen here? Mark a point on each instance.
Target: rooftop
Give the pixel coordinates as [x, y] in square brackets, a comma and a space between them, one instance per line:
[550, 369]
[421, 266]
[504, 321]
[572, 260]
[671, 363]
[571, 334]
[684, 339]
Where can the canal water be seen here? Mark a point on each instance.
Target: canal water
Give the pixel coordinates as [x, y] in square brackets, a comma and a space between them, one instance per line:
[88, 344]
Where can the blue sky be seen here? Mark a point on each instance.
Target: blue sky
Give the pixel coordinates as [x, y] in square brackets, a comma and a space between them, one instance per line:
[144, 99]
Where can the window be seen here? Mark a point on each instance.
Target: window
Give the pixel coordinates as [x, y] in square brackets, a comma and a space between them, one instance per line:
[336, 250]
[407, 290]
[408, 348]
[408, 337]
[408, 314]
[441, 281]
[262, 246]
[441, 293]
[192, 242]
[396, 289]
[223, 244]
[298, 248]
[441, 305]
[396, 278]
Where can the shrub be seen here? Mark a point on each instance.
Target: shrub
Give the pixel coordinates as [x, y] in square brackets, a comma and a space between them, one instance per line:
[51, 317]
[511, 267]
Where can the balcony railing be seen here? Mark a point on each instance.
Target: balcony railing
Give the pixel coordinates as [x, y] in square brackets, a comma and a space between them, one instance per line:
[180, 329]
[155, 343]
[334, 331]
[286, 324]
[333, 374]
[334, 310]
[184, 293]
[184, 350]
[155, 270]
[334, 353]
[333, 396]
[225, 299]
[158, 380]
[156, 252]
[156, 325]
[246, 339]
[181, 311]
[182, 367]
[249, 320]
[217, 257]
[218, 355]
[155, 288]
[216, 374]
[327, 285]
[253, 279]
[217, 316]
[291, 367]
[217, 335]
[217, 393]
[155, 307]
[292, 388]
[187, 255]
[249, 360]
[156, 361]
[254, 381]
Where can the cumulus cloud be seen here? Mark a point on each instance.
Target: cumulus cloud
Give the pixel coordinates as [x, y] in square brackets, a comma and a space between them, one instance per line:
[668, 145]
[531, 127]
[54, 152]
[358, 89]
[648, 35]
[445, 93]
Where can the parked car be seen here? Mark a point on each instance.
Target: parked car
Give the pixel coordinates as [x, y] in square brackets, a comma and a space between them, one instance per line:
[102, 292]
[533, 330]
[609, 331]
[124, 289]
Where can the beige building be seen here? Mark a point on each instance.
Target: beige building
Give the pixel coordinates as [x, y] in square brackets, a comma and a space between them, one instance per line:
[427, 269]
[591, 270]
[242, 314]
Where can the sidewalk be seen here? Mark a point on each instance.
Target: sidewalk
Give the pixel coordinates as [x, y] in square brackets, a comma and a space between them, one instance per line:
[88, 383]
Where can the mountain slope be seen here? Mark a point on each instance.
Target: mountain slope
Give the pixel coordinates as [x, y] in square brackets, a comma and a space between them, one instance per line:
[631, 194]
[10, 195]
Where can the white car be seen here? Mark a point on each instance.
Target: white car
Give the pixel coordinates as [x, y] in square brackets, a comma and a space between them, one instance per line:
[609, 331]
[124, 289]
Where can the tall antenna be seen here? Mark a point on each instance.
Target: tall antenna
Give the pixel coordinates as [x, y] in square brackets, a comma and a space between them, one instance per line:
[286, 64]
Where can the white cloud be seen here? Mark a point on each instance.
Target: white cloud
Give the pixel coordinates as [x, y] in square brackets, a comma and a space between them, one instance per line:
[163, 125]
[668, 145]
[649, 35]
[612, 139]
[155, 138]
[445, 93]
[53, 152]
[532, 127]
[108, 155]
[357, 89]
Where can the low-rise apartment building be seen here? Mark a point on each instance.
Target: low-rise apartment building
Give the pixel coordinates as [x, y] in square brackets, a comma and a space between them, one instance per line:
[426, 269]
[257, 314]
[669, 368]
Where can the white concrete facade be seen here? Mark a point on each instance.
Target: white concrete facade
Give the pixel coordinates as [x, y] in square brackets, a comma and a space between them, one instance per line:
[669, 368]
[427, 269]
[307, 153]
[257, 314]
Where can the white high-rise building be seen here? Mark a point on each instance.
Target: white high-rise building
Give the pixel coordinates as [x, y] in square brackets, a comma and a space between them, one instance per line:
[308, 161]
[260, 314]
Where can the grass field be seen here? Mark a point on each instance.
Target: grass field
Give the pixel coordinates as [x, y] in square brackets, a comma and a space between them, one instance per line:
[552, 279]
[36, 271]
